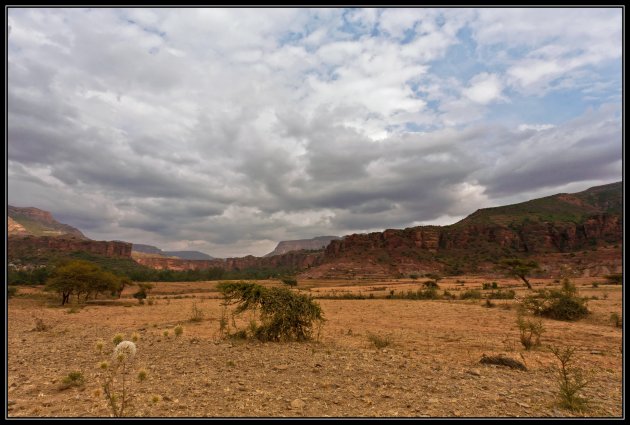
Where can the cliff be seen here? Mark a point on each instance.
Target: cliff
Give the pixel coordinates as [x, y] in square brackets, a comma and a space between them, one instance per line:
[21, 248]
[300, 244]
[293, 260]
[36, 222]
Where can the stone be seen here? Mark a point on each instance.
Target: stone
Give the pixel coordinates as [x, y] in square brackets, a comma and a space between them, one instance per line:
[297, 404]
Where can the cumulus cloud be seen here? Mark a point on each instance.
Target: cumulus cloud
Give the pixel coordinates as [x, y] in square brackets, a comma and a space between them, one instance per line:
[228, 130]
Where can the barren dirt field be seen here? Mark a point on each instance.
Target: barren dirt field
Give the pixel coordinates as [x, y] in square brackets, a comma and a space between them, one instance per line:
[429, 369]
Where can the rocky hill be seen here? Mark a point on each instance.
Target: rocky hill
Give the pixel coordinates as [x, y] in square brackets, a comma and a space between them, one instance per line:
[307, 244]
[35, 237]
[560, 223]
[580, 231]
[36, 222]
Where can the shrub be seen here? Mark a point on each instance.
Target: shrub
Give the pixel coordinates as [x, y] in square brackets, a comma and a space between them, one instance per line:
[489, 304]
[561, 304]
[73, 379]
[486, 285]
[615, 319]
[290, 281]
[11, 291]
[430, 284]
[472, 294]
[117, 339]
[414, 276]
[571, 380]
[502, 360]
[40, 325]
[196, 314]
[378, 341]
[595, 284]
[179, 330]
[530, 332]
[502, 295]
[615, 278]
[284, 314]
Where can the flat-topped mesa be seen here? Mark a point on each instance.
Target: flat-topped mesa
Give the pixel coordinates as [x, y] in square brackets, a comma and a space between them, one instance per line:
[316, 243]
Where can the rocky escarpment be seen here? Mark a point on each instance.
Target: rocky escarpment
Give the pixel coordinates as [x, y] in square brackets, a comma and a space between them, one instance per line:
[293, 261]
[588, 223]
[42, 246]
[307, 244]
[16, 229]
[34, 221]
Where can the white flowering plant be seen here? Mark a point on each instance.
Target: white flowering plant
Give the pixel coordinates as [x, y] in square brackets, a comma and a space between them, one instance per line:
[116, 380]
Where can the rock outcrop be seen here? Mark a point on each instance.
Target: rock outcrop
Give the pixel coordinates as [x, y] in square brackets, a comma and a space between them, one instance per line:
[298, 245]
[39, 223]
[292, 261]
[28, 246]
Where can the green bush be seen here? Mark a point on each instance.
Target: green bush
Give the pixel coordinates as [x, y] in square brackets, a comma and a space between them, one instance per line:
[571, 380]
[285, 315]
[562, 304]
[502, 295]
[73, 379]
[615, 278]
[530, 332]
[290, 281]
[471, 294]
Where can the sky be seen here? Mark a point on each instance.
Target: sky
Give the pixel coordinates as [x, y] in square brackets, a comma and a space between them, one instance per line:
[228, 130]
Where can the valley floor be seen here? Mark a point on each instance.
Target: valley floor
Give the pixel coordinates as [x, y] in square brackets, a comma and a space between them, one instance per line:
[430, 368]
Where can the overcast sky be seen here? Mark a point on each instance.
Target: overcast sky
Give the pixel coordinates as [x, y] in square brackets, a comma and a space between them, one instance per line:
[228, 130]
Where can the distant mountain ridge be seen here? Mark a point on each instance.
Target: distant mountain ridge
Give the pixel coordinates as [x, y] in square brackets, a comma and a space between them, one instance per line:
[36, 222]
[318, 242]
[185, 255]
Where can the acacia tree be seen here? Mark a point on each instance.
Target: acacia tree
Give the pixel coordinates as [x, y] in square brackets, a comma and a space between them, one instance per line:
[81, 278]
[519, 268]
[285, 314]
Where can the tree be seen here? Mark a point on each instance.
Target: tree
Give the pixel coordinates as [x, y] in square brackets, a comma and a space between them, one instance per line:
[285, 314]
[144, 290]
[519, 268]
[81, 278]
[435, 277]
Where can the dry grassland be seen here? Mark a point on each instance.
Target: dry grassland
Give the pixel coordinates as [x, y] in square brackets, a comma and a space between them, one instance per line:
[430, 367]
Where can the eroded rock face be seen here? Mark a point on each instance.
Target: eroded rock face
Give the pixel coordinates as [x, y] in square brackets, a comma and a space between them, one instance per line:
[16, 229]
[21, 247]
[40, 223]
[292, 260]
[298, 245]
[423, 249]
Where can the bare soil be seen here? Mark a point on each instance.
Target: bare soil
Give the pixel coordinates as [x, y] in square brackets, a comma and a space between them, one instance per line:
[429, 369]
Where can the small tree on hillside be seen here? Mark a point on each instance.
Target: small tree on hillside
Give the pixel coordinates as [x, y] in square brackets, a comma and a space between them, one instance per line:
[519, 268]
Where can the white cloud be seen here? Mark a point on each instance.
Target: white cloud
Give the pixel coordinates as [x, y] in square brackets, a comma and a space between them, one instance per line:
[484, 88]
[230, 129]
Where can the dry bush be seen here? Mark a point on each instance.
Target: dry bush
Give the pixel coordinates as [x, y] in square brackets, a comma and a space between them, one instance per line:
[284, 314]
[571, 380]
[502, 360]
[530, 331]
[379, 341]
